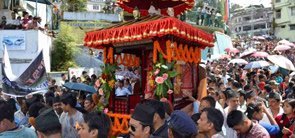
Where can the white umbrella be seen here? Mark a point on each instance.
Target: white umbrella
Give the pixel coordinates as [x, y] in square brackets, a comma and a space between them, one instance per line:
[282, 48]
[257, 42]
[260, 54]
[291, 75]
[238, 61]
[127, 74]
[257, 64]
[281, 61]
[260, 38]
[286, 42]
[248, 52]
[232, 50]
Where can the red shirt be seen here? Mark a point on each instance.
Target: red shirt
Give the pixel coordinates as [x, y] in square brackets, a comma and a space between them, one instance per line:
[283, 85]
[284, 121]
[25, 21]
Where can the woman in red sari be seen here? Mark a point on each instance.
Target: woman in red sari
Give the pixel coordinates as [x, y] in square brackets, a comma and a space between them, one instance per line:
[286, 121]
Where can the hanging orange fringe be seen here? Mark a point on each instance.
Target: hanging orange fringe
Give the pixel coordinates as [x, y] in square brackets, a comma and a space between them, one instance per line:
[111, 55]
[168, 51]
[105, 55]
[127, 60]
[108, 55]
[177, 52]
[157, 49]
[119, 127]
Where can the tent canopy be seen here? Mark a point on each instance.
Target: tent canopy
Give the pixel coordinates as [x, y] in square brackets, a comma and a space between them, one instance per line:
[145, 28]
[41, 1]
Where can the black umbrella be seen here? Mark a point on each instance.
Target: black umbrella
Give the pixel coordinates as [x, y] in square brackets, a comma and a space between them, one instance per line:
[47, 2]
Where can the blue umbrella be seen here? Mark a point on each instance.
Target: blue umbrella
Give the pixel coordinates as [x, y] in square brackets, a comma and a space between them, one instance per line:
[257, 64]
[80, 87]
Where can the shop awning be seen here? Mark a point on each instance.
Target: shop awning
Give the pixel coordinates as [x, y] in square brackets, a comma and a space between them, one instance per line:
[147, 28]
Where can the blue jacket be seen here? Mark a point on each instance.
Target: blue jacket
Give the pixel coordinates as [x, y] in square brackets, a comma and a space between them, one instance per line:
[21, 132]
[271, 129]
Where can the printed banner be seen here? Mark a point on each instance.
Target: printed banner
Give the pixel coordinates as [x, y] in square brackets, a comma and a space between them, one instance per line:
[32, 80]
[14, 41]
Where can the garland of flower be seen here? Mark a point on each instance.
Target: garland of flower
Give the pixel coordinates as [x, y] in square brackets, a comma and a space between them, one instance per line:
[163, 73]
[119, 127]
[105, 85]
[177, 52]
[127, 60]
[108, 55]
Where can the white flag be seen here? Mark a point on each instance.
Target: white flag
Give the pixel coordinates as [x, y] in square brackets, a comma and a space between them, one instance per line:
[7, 65]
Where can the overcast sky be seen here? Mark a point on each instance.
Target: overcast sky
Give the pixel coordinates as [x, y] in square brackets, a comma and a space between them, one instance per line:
[266, 3]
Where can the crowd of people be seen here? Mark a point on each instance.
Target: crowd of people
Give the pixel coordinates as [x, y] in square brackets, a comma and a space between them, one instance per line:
[25, 22]
[255, 103]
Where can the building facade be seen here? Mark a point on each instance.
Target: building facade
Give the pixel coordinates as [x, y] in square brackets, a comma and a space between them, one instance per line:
[284, 18]
[253, 20]
[97, 5]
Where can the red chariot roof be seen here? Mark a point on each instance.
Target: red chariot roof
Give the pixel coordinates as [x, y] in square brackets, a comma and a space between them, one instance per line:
[146, 28]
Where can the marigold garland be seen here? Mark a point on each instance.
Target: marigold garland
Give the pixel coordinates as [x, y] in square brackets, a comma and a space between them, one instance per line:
[177, 52]
[120, 127]
[108, 55]
[127, 60]
[106, 85]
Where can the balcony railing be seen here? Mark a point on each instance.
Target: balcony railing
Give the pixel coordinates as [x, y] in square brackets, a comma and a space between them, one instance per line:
[90, 16]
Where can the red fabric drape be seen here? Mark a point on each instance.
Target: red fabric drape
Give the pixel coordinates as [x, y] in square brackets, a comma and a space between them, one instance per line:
[147, 30]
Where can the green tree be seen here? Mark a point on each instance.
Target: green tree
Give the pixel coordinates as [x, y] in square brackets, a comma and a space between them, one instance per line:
[200, 4]
[63, 50]
[75, 5]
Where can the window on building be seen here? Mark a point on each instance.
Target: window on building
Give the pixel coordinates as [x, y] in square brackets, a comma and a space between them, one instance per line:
[239, 19]
[277, 1]
[96, 7]
[238, 29]
[248, 18]
[247, 28]
[278, 14]
[292, 26]
[283, 26]
[292, 11]
[269, 25]
[259, 16]
[259, 26]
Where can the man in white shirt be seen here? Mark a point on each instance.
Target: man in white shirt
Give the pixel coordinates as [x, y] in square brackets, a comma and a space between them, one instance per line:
[70, 117]
[243, 104]
[233, 102]
[63, 79]
[122, 91]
